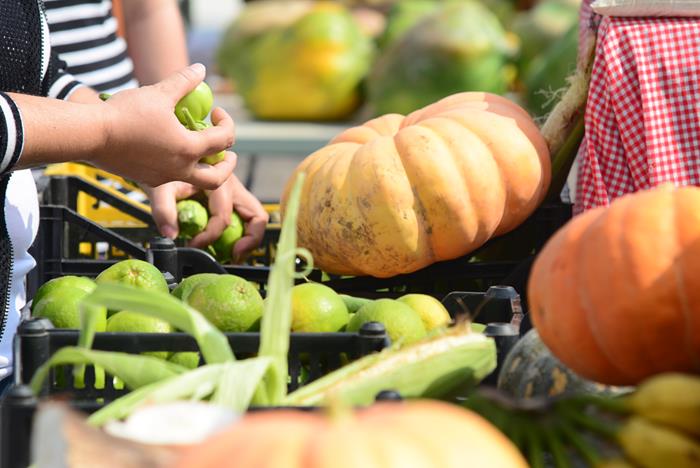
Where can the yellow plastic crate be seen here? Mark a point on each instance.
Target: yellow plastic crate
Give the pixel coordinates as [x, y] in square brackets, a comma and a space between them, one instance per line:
[97, 210]
[108, 216]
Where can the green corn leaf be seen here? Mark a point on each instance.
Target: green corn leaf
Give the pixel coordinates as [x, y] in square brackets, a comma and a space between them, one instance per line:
[277, 314]
[213, 344]
[239, 381]
[231, 384]
[135, 370]
[195, 384]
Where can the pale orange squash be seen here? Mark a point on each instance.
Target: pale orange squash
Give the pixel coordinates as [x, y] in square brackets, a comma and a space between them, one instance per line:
[615, 294]
[400, 193]
[418, 434]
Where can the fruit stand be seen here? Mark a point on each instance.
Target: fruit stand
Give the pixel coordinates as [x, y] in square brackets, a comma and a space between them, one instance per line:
[422, 290]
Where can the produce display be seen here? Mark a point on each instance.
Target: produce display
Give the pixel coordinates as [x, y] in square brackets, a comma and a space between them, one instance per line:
[443, 363]
[480, 108]
[400, 193]
[425, 51]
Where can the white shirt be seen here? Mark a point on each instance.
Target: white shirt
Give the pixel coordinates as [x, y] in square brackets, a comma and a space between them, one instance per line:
[22, 217]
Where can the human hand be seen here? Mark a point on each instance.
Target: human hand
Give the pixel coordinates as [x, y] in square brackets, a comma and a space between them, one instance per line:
[229, 196]
[146, 142]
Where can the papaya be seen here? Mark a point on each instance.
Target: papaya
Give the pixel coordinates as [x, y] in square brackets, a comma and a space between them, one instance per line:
[461, 47]
[308, 69]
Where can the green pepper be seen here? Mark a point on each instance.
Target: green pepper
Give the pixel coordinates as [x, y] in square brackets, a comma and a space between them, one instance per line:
[198, 102]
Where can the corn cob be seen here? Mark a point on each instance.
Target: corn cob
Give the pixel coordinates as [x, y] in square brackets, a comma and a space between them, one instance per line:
[430, 368]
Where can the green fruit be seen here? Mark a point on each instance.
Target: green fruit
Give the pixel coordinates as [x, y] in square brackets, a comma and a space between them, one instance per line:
[223, 246]
[132, 322]
[183, 290]
[192, 218]
[462, 47]
[77, 282]
[135, 273]
[402, 323]
[61, 307]
[307, 69]
[317, 308]
[188, 359]
[431, 311]
[229, 302]
[198, 102]
[354, 303]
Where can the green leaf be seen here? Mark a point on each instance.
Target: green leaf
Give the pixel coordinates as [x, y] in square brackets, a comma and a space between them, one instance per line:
[231, 384]
[213, 344]
[135, 370]
[239, 381]
[277, 314]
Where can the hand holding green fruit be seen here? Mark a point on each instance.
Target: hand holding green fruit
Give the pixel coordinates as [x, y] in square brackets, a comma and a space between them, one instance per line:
[191, 111]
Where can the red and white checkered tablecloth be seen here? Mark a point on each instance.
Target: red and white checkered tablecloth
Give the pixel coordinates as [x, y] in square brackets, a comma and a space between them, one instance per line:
[643, 111]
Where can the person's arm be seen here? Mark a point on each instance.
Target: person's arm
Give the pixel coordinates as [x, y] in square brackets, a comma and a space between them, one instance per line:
[135, 134]
[155, 36]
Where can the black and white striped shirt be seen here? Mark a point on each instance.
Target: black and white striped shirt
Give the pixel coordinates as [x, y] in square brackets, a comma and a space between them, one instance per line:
[28, 66]
[84, 34]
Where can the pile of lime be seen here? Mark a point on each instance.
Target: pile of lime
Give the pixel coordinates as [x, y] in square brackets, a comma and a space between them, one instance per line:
[234, 304]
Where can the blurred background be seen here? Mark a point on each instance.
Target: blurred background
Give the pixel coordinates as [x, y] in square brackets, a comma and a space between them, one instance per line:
[294, 73]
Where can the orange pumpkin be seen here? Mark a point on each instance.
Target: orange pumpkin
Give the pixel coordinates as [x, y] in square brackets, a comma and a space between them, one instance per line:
[418, 434]
[615, 294]
[400, 193]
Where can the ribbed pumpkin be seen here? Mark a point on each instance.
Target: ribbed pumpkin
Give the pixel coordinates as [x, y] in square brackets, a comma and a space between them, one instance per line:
[615, 294]
[419, 434]
[400, 193]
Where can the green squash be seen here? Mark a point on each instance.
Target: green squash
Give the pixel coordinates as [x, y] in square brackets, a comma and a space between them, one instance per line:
[530, 370]
[462, 47]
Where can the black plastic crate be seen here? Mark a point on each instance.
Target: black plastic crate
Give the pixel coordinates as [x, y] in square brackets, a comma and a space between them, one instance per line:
[318, 353]
[62, 229]
[37, 340]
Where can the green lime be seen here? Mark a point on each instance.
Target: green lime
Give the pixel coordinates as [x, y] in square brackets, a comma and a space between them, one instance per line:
[223, 246]
[134, 273]
[230, 303]
[183, 290]
[401, 322]
[61, 306]
[78, 282]
[317, 308]
[431, 311]
[132, 322]
[188, 359]
[192, 218]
